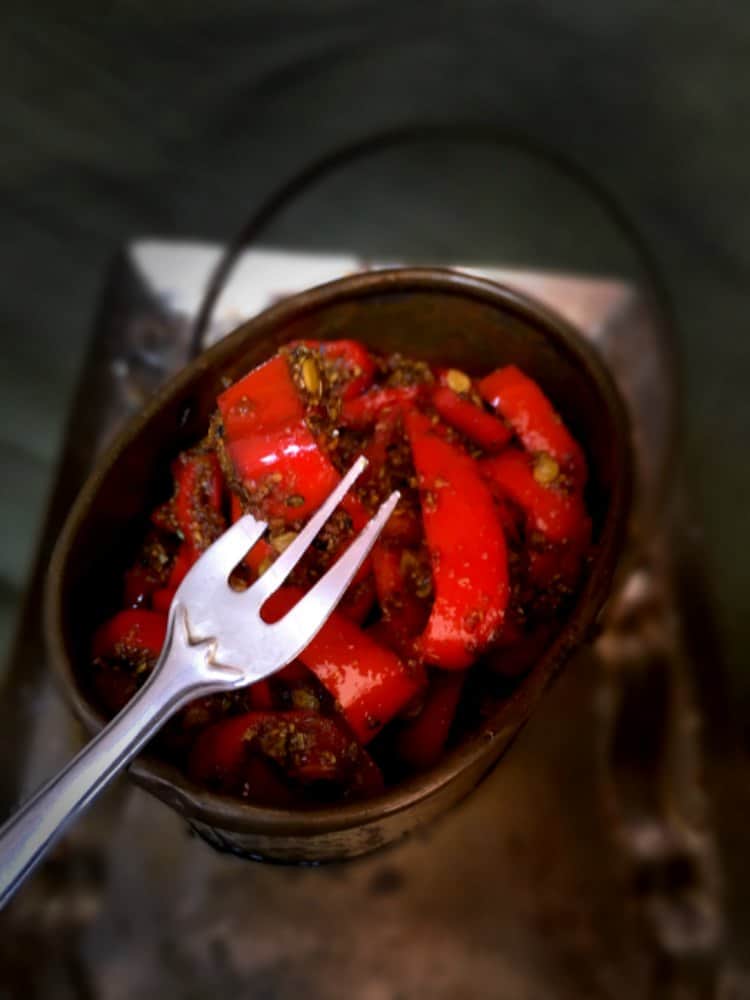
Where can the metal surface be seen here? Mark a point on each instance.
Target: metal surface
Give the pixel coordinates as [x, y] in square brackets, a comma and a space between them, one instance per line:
[534, 888]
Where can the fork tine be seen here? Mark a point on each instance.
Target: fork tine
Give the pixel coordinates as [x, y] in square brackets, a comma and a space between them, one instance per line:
[282, 567]
[311, 612]
[218, 561]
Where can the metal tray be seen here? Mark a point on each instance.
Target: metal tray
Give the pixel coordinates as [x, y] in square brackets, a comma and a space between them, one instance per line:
[586, 865]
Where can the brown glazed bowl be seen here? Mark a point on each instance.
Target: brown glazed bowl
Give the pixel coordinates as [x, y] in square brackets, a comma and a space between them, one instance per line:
[437, 315]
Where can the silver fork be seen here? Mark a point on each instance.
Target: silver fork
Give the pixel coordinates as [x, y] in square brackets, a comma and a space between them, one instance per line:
[216, 641]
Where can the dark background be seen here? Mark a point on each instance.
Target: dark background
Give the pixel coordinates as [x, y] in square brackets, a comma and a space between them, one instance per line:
[178, 119]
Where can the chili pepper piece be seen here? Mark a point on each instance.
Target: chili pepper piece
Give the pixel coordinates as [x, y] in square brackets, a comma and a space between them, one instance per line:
[534, 419]
[356, 368]
[422, 739]
[161, 600]
[559, 516]
[370, 683]
[134, 630]
[467, 547]
[362, 412]
[114, 687]
[284, 471]
[307, 746]
[221, 758]
[293, 673]
[559, 567]
[197, 501]
[140, 585]
[359, 599]
[472, 421]
[260, 695]
[403, 612]
[272, 450]
[265, 398]
[185, 558]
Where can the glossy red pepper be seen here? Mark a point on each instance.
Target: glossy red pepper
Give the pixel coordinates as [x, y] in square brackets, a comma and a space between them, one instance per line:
[362, 412]
[481, 428]
[307, 746]
[184, 559]
[370, 683]
[421, 741]
[260, 695]
[534, 419]
[549, 510]
[130, 632]
[404, 613]
[197, 501]
[467, 547]
[293, 673]
[271, 447]
[383, 435]
[355, 365]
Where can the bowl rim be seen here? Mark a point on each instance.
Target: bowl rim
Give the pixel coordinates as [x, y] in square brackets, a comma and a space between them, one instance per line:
[166, 780]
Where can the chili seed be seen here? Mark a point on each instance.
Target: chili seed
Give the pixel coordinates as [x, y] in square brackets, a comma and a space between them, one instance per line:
[281, 542]
[457, 380]
[266, 564]
[311, 376]
[301, 698]
[546, 469]
[295, 500]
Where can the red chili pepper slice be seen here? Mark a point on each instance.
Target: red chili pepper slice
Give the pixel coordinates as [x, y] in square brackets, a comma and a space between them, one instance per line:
[383, 434]
[355, 365]
[130, 632]
[197, 500]
[534, 419]
[161, 600]
[293, 673]
[559, 566]
[467, 546]
[184, 559]
[557, 515]
[222, 758]
[362, 412]
[260, 695]
[272, 449]
[309, 747]
[285, 470]
[140, 585]
[404, 613]
[114, 686]
[421, 741]
[370, 683]
[359, 600]
[472, 421]
[264, 399]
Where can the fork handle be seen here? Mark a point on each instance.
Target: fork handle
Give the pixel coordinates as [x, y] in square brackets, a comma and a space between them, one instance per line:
[28, 835]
